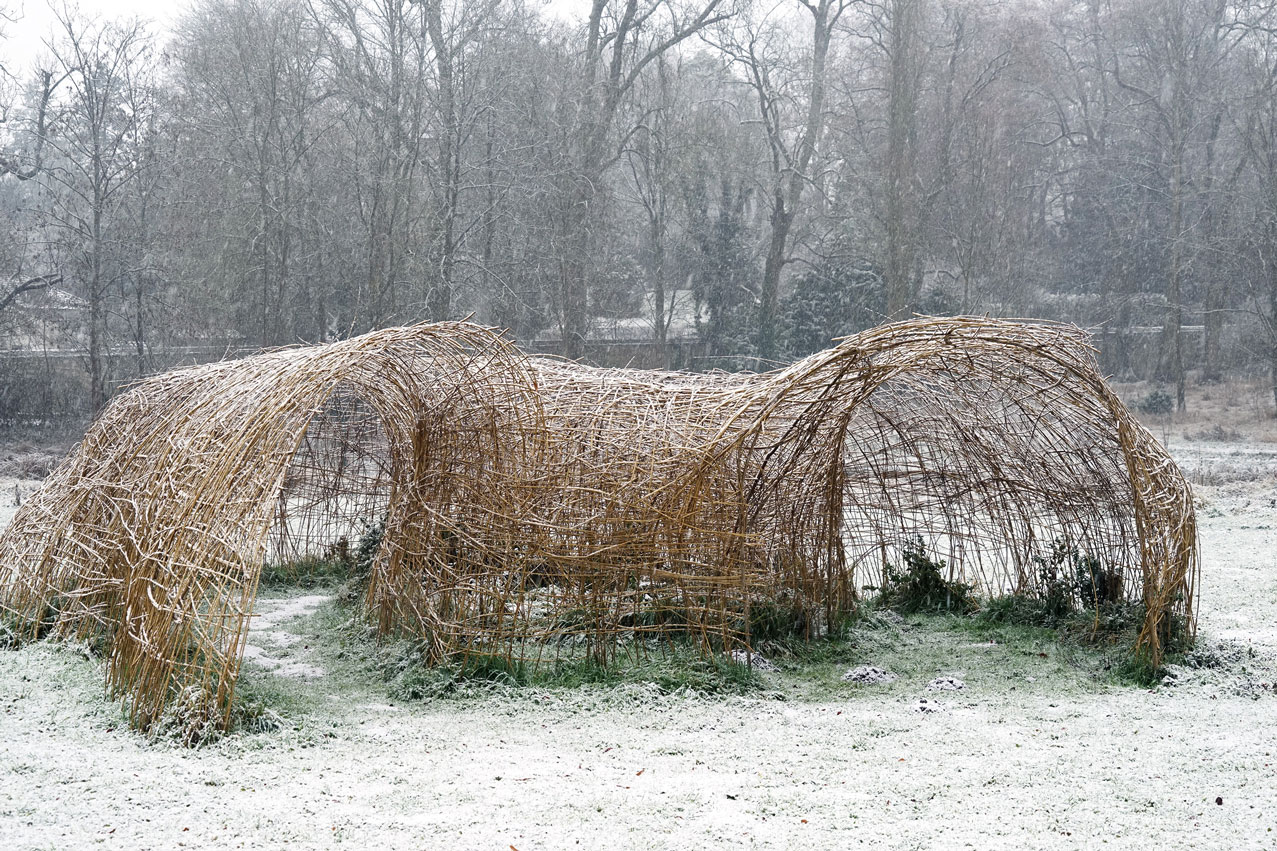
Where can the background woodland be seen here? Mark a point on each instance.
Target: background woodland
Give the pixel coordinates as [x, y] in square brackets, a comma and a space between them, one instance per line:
[726, 182]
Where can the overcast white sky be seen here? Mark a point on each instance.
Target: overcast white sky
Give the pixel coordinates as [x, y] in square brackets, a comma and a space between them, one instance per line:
[24, 39]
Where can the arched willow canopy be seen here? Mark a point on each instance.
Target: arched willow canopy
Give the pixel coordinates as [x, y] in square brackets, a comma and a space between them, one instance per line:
[525, 503]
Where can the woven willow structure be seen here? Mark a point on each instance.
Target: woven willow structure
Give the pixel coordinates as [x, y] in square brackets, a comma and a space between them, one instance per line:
[528, 504]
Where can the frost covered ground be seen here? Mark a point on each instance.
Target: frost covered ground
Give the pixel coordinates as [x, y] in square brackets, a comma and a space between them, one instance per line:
[1033, 751]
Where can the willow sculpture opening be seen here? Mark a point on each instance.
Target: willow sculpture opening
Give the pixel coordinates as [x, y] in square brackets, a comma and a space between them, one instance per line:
[524, 504]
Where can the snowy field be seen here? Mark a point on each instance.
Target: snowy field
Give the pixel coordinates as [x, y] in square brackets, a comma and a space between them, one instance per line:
[1031, 753]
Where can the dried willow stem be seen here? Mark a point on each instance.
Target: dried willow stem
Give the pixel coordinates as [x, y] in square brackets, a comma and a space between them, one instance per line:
[527, 501]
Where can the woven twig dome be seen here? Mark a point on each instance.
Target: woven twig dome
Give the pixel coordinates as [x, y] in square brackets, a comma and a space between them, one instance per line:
[522, 502]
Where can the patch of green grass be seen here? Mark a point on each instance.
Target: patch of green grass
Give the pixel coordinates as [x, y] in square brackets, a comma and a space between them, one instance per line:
[261, 691]
[673, 667]
[410, 676]
[10, 639]
[1100, 641]
[1006, 646]
[340, 563]
[307, 572]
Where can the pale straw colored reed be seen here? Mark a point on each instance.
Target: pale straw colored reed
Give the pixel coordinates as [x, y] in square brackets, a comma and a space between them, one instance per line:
[531, 504]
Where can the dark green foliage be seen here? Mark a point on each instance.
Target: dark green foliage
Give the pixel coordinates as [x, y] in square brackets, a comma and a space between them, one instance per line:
[367, 549]
[776, 621]
[1156, 403]
[1139, 670]
[9, 638]
[306, 572]
[939, 302]
[48, 620]
[1056, 587]
[828, 301]
[723, 281]
[1070, 578]
[1096, 584]
[411, 676]
[921, 585]
[339, 563]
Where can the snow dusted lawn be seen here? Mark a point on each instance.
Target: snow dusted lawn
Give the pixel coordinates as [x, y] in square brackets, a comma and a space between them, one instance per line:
[1030, 754]
[11, 491]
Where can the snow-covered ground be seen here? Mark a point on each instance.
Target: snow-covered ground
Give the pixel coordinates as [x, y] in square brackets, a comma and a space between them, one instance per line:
[1029, 753]
[12, 493]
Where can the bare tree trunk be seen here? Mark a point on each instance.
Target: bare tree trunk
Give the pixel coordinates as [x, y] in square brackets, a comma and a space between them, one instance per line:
[139, 273]
[439, 302]
[656, 232]
[1172, 334]
[574, 293]
[1269, 255]
[1179, 122]
[97, 312]
[615, 53]
[790, 172]
[901, 159]
[265, 336]
[781, 220]
[1213, 320]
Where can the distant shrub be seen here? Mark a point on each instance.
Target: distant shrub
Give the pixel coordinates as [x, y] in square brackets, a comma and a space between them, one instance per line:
[339, 562]
[1069, 577]
[1156, 403]
[921, 586]
[306, 572]
[1080, 597]
[1217, 433]
[368, 547]
[830, 301]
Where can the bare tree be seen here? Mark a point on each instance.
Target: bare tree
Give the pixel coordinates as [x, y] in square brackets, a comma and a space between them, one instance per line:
[39, 282]
[23, 165]
[901, 34]
[26, 165]
[1259, 129]
[622, 38]
[106, 67]
[451, 39]
[648, 156]
[792, 125]
[1177, 49]
[252, 97]
[381, 57]
[976, 188]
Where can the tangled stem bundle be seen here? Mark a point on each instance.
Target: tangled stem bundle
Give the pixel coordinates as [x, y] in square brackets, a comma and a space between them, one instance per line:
[526, 504]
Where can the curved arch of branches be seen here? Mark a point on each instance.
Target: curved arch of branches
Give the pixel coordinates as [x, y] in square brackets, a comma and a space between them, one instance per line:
[525, 502]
